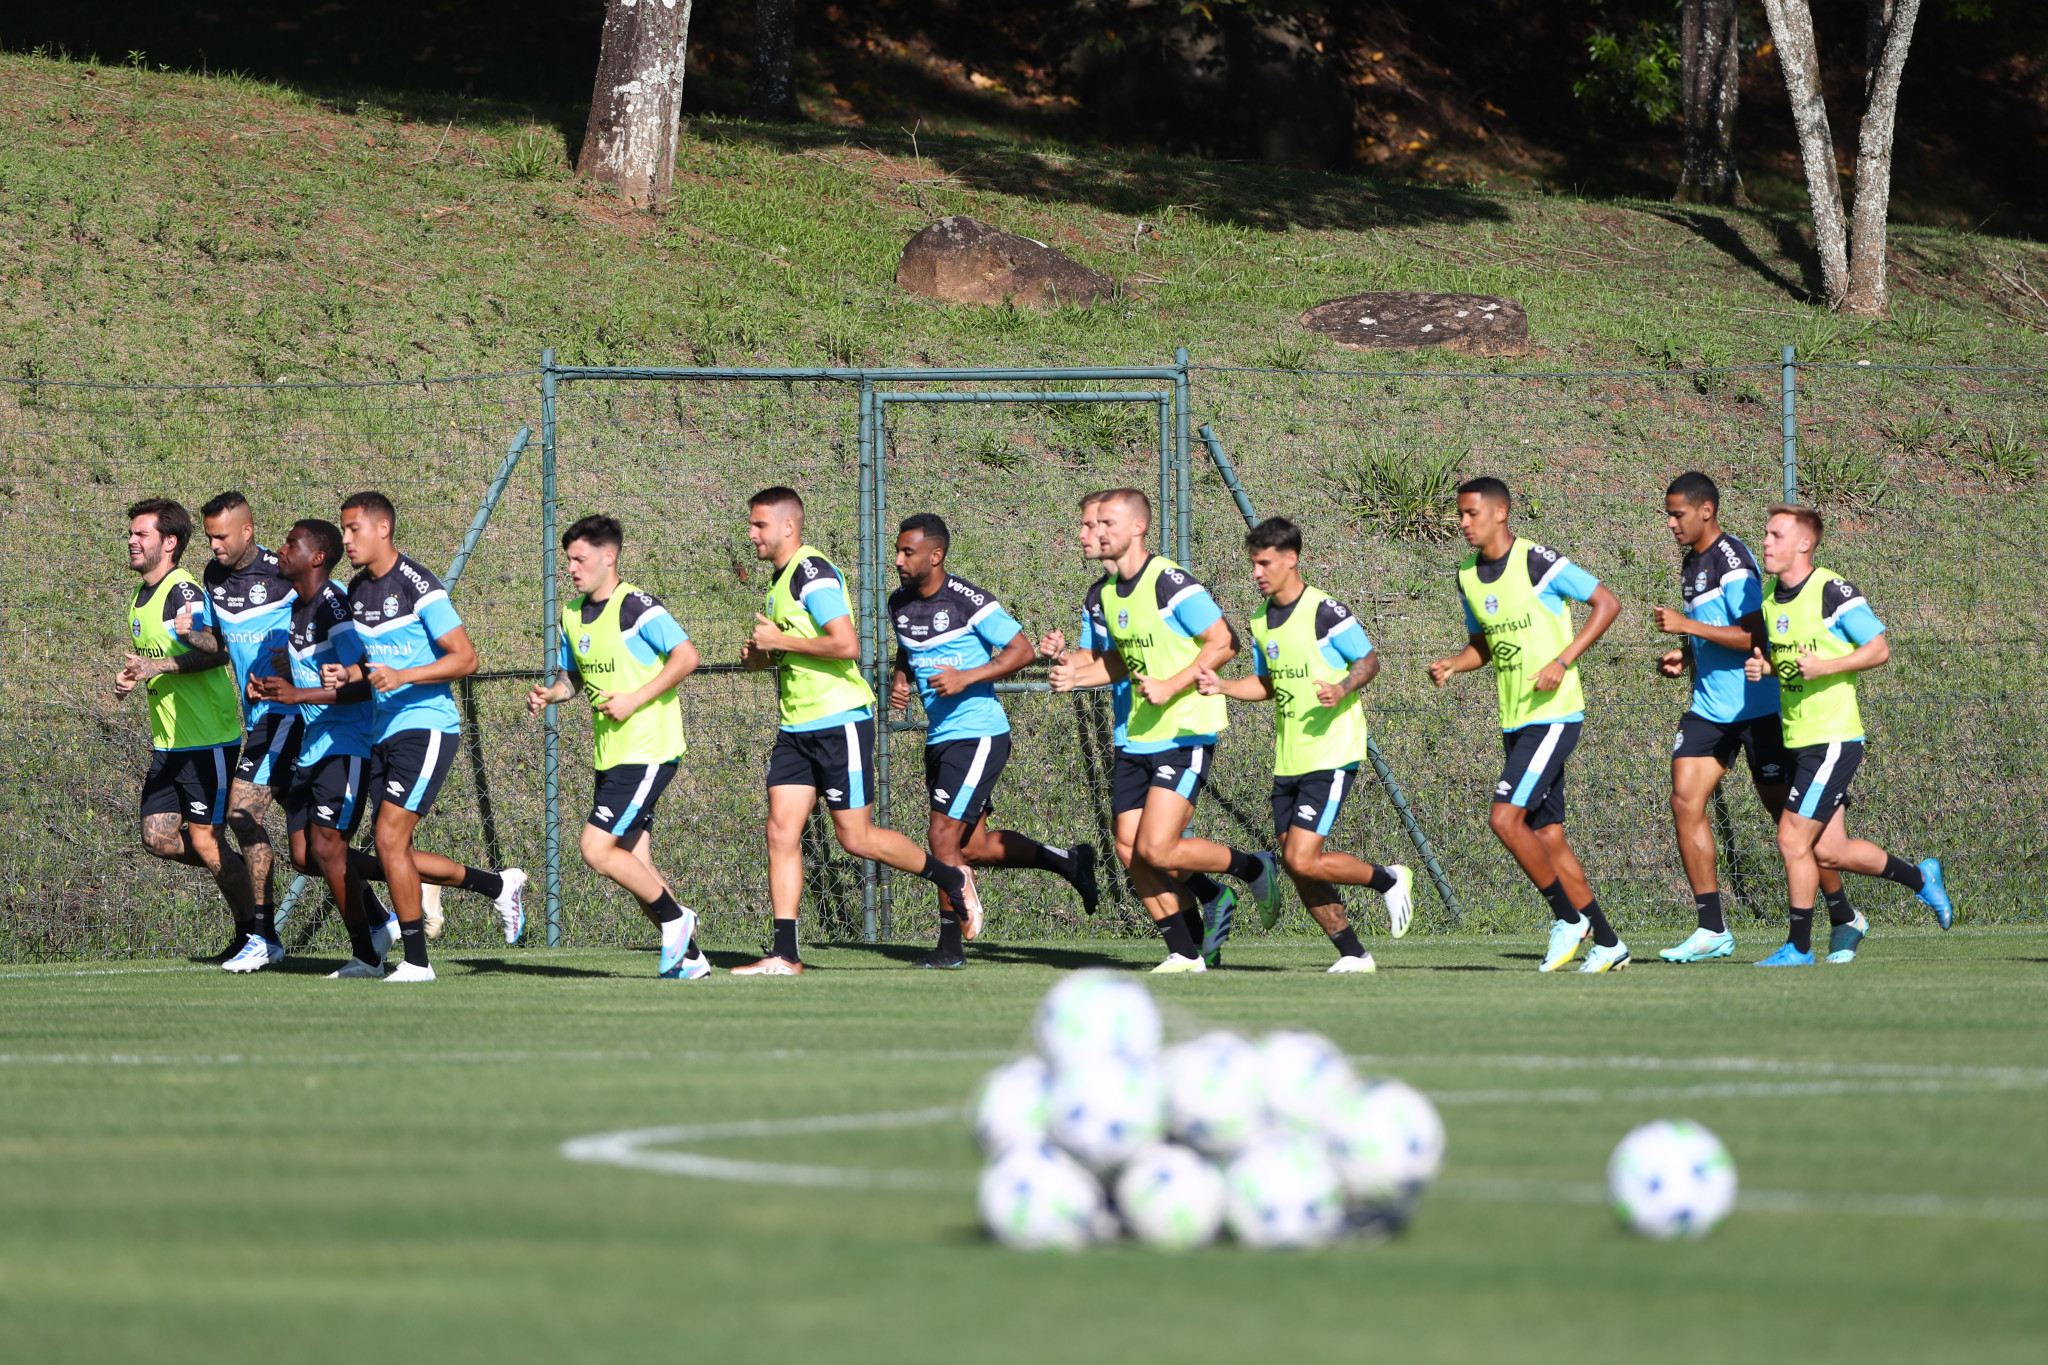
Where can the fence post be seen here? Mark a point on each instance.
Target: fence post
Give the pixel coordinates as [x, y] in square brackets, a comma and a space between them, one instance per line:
[1789, 385]
[1183, 494]
[551, 648]
[878, 600]
[1372, 749]
[868, 635]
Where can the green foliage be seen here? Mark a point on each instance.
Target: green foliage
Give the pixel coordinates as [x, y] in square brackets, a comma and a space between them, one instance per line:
[2006, 451]
[1632, 74]
[1397, 490]
[528, 157]
[1841, 475]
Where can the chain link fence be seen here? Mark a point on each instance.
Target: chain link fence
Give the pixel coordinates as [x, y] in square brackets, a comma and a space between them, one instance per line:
[1932, 480]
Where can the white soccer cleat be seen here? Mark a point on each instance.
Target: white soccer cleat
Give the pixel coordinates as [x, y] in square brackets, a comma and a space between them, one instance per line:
[691, 969]
[675, 941]
[1353, 966]
[430, 909]
[384, 938]
[511, 909]
[1400, 900]
[405, 971]
[357, 969]
[256, 954]
[1175, 964]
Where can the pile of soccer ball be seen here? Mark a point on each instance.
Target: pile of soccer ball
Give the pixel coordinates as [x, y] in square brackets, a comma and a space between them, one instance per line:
[1103, 1131]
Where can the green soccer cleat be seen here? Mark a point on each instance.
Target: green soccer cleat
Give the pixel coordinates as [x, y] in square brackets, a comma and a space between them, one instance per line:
[1704, 946]
[1565, 940]
[1266, 889]
[1844, 939]
[1219, 917]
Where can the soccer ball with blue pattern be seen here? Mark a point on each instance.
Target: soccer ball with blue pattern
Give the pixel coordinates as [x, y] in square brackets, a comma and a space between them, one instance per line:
[1037, 1198]
[1103, 1110]
[1283, 1191]
[1215, 1093]
[1010, 1107]
[1093, 1014]
[1306, 1077]
[1387, 1141]
[1170, 1197]
[1671, 1178]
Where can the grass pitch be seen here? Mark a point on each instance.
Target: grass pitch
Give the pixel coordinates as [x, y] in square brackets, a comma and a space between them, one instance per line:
[195, 1167]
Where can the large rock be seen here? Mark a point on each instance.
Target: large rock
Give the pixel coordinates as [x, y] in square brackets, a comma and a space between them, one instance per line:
[963, 260]
[1476, 324]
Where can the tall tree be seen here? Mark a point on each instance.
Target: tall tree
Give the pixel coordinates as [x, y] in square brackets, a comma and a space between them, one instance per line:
[1852, 251]
[1709, 83]
[771, 97]
[637, 101]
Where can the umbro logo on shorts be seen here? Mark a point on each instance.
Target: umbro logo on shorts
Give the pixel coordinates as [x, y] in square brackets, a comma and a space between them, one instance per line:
[1166, 771]
[326, 812]
[1677, 740]
[199, 808]
[395, 788]
[942, 793]
[1502, 789]
[1305, 812]
[604, 812]
[832, 793]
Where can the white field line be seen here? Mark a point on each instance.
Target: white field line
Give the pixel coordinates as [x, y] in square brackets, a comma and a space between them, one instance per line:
[630, 1149]
[101, 971]
[339, 1059]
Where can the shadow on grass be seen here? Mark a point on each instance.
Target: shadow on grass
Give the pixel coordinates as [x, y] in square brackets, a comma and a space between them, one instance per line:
[499, 966]
[1064, 959]
[1446, 967]
[1720, 234]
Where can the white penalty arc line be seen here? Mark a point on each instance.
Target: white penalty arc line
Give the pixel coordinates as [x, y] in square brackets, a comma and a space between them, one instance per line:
[632, 1149]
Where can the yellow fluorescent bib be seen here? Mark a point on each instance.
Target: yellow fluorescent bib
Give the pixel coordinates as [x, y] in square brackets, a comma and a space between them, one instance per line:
[186, 710]
[654, 733]
[811, 689]
[1522, 636]
[1307, 736]
[1151, 647]
[1824, 710]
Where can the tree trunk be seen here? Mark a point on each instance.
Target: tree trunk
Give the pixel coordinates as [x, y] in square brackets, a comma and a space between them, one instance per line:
[1889, 34]
[637, 101]
[1709, 83]
[1792, 32]
[772, 96]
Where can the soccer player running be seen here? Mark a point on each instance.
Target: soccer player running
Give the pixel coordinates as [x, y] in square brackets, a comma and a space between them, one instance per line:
[1156, 625]
[1518, 619]
[954, 641]
[1216, 904]
[195, 720]
[1821, 635]
[826, 743]
[324, 795]
[626, 654]
[414, 645]
[252, 604]
[1723, 621]
[1311, 660]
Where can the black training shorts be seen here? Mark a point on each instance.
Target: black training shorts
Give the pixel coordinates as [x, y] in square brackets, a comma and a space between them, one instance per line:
[191, 784]
[622, 797]
[1310, 801]
[1533, 775]
[330, 794]
[271, 752]
[1182, 771]
[1760, 738]
[836, 760]
[960, 775]
[1821, 774]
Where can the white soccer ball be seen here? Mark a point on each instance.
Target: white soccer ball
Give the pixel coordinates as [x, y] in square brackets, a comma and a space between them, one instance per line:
[1306, 1077]
[1284, 1192]
[1215, 1093]
[1037, 1198]
[1388, 1143]
[1170, 1197]
[1096, 1013]
[1104, 1109]
[1010, 1107]
[1671, 1178]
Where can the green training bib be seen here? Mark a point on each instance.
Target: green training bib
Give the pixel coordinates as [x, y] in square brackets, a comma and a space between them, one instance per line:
[810, 689]
[654, 733]
[186, 710]
[1150, 647]
[1824, 710]
[1521, 636]
[1307, 735]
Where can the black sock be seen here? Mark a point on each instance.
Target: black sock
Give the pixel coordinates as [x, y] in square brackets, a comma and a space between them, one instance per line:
[1560, 904]
[373, 909]
[1603, 932]
[1708, 903]
[1346, 942]
[1204, 886]
[262, 923]
[664, 909]
[1174, 929]
[693, 953]
[945, 876]
[1381, 880]
[413, 934]
[359, 944]
[1046, 858]
[482, 882]
[951, 944]
[1192, 917]
[1839, 909]
[1904, 873]
[785, 941]
[1244, 866]
[1802, 929]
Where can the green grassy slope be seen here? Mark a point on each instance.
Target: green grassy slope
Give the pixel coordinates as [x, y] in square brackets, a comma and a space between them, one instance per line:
[202, 1168]
[168, 227]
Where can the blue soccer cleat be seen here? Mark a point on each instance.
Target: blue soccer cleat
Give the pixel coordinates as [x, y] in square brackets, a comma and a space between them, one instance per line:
[1787, 956]
[1219, 917]
[675, 942]
[1934, 893]
[1844, 939]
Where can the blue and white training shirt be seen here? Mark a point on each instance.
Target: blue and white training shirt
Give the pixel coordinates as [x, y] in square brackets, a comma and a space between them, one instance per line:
[959, 626]
[253, 606]
[1721, 586]
[324, 633]
[398, 618]
[1095, 636]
